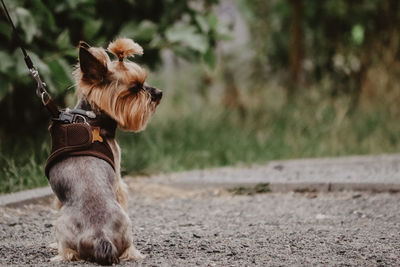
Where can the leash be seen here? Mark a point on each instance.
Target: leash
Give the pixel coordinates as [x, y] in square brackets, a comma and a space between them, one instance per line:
[76, 132]
[63, 116]
[41, 86]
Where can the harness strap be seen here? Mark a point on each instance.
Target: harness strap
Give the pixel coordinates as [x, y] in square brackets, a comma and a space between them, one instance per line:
[52, 108]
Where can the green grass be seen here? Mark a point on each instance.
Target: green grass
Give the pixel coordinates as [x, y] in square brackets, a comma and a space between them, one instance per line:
[210, 137]
[198, 140]
[193, 130]
[21, 163]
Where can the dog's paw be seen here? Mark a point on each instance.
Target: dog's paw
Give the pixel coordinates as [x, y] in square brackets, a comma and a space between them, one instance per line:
[66, 254]
[52, 246]
[132, 253]
[57, 258]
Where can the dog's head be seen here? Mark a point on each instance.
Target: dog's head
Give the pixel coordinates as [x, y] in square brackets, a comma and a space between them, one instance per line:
[117, 87]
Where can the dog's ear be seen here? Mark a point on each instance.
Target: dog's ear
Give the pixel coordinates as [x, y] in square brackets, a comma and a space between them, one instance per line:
[91, 67]
[84, 44]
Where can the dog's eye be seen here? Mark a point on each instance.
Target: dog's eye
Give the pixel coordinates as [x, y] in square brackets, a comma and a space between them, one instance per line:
[134, 89]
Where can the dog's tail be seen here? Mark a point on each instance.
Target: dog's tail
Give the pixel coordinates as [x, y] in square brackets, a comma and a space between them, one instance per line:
[98, 248]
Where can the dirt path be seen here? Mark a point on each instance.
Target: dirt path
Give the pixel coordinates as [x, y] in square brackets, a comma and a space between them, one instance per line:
[215, 228]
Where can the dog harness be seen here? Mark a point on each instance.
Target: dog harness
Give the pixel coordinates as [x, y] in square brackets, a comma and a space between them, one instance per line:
[80, 133]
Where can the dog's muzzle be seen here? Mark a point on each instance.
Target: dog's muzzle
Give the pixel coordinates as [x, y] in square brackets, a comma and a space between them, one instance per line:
[156, 94]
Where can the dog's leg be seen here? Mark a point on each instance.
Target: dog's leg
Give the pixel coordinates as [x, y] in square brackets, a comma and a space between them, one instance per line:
[66, 254]
[120, 188]
[132, 253]
[52, 246]
[57, 258]
[57, 204]
[121, 193]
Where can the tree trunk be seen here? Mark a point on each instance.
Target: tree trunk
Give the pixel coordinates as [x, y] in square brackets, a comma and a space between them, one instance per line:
[296, 44]
[231, 97]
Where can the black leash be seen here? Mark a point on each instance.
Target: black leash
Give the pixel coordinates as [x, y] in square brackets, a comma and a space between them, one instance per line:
[41, 86]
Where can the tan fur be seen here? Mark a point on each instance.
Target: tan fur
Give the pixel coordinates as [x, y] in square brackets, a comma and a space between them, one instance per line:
[67, 254]
[120, 188]
[57, 204]
[132, 112]
[124, 47]
[132, 253]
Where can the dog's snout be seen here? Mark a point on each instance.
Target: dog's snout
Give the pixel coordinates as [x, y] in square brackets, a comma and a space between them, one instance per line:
[156, 94]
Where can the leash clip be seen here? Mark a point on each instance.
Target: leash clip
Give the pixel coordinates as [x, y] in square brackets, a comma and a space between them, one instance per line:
[41, 86]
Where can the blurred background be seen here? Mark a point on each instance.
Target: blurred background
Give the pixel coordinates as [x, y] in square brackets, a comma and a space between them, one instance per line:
[244, 82]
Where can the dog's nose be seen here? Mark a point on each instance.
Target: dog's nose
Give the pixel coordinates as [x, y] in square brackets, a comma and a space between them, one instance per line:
[157, 95]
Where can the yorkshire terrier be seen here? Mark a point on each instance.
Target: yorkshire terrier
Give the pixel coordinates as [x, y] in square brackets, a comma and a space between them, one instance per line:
[93, 223]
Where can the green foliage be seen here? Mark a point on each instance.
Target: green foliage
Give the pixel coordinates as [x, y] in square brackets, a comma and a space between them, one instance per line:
[357, 34]
[340, 41]
[52, 29]
[186, 35]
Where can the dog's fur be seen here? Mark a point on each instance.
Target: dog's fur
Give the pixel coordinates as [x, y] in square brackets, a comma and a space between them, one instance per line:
[93, 223]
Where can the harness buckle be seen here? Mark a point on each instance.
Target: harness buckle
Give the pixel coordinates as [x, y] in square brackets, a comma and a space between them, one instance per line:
[79, 117]
[68, 117]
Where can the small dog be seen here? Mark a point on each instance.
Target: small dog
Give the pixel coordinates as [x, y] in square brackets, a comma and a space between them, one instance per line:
[93, 223]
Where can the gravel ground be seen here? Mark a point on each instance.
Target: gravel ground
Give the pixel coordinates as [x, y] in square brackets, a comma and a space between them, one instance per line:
[215, 228]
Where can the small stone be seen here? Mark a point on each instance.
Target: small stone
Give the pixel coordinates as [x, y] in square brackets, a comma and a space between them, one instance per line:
[233, 253]
[311, 195]
[321, 217]
[278, 167]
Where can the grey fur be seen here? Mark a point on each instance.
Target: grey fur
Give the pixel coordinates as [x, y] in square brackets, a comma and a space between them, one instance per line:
[84, 185]
[93, 224]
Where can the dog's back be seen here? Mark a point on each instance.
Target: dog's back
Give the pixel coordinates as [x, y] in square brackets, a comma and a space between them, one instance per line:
[90, 214]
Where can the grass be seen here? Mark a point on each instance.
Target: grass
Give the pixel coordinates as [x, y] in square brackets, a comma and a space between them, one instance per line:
[189, 131]
[198, 140]
[21, 164]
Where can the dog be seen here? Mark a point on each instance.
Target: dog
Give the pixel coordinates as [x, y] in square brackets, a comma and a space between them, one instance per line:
[93, 224]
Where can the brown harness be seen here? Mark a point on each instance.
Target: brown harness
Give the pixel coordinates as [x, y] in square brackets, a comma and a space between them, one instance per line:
[87, 138]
